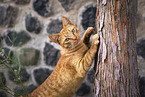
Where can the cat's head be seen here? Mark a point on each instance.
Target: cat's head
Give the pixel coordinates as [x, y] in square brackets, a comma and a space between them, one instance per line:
[68, 37]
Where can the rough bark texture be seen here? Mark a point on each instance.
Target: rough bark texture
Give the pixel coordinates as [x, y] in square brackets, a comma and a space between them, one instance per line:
[116, 68]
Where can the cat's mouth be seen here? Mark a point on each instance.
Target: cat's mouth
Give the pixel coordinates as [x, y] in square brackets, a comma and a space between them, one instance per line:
[75, 40]
[68, 45]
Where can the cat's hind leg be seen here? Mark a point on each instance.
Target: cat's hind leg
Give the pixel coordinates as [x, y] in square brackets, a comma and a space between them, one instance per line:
[87, 35]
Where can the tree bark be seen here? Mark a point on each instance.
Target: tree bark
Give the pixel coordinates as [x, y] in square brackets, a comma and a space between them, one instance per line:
[116, 67]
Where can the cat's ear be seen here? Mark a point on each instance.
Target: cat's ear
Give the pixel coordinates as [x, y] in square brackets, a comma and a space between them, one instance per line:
[66, 21]
[55, 38]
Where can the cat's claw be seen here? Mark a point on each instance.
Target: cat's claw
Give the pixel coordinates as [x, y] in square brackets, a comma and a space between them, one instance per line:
[96, 39]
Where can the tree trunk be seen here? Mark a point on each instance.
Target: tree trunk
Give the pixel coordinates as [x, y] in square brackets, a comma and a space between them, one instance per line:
[116, 69]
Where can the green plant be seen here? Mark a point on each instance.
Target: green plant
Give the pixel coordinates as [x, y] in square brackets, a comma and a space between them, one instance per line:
[7, 63]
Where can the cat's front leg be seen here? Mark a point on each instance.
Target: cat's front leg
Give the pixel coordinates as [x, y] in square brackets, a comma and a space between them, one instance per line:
[87, 60]
[87, 35]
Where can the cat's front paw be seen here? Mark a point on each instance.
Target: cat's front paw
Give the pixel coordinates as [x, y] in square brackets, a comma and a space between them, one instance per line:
[90, 30]
[96, 39]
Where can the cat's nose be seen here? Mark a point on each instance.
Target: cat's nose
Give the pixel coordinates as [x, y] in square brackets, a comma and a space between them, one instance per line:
[74, 38]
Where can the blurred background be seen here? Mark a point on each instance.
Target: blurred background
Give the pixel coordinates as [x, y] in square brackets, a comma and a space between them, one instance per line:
[24, 29]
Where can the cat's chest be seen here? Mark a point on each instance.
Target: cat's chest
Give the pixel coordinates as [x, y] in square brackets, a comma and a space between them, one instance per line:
[72, 60]
[68, 66]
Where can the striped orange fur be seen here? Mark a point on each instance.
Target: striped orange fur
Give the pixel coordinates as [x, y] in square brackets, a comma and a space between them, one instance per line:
[76, 58]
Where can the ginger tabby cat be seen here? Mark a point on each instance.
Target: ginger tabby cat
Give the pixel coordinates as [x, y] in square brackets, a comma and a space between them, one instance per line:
[75, 61]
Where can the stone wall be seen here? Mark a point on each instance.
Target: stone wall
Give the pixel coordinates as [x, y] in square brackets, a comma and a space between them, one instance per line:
[24, 29]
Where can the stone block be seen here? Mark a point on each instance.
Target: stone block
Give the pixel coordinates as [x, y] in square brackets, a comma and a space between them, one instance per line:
[42, 7]
[51, 55]
[1, 41]
[32, 24]
[54, 27]
[21, 73]
[3, 94]
[8, 15]
[41, 74]
[141, 47]
[17, 39]
[6, 54]
[142, 86]
[66, 4]
[20, 90]
[88, 16]
[22, 1]
[29, 56]
[83, 90]
[2, 79]
[90, 76]
[6, 1]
